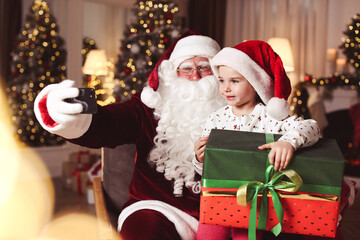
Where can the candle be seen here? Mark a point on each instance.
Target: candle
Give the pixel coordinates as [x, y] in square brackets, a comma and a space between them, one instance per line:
[331, 54]
[340, 65]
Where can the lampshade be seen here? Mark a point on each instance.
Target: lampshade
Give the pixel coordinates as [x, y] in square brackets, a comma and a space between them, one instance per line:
[96, 63]
[282, 47]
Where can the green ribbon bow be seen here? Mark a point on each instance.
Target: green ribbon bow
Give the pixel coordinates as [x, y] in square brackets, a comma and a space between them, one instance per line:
[249, 192]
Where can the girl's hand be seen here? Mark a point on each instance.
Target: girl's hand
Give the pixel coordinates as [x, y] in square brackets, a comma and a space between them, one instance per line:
[280, 154]
[199, 148]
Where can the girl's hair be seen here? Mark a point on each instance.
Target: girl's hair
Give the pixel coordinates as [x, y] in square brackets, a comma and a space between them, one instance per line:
[258, 99]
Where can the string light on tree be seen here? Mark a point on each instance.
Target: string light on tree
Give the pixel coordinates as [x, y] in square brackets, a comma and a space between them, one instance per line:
[88, 44]
[336, 80]
[351, 43]
[154, 26]
[37, 60]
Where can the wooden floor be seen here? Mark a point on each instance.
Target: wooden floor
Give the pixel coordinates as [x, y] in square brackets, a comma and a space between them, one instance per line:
[69, 201]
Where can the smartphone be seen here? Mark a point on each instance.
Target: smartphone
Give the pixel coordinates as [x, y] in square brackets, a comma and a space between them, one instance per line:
[87, 99]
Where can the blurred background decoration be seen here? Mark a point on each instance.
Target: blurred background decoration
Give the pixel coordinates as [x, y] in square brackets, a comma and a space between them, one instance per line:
[154, 26]
[100, 72]
[38, 59]
[283, 48]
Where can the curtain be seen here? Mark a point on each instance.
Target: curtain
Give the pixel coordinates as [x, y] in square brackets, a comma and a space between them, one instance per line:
[303, 22]
[208, 17]
[10, 19]
[106, 24]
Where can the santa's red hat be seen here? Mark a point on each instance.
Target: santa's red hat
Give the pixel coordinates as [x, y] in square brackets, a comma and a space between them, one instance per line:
[188, 45]
[264, 70]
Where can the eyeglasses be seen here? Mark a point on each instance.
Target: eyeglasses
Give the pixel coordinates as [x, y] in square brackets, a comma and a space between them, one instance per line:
[188, 71]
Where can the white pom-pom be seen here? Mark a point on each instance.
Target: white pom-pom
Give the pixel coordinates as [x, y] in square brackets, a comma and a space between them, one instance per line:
[278, 108]
[151, 98]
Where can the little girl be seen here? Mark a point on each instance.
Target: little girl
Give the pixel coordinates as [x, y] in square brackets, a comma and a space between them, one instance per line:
[254, 83]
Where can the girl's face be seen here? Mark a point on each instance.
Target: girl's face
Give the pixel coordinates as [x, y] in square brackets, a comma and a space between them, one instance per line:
[237, 91]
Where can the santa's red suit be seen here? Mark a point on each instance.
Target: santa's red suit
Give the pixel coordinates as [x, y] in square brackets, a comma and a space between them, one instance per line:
[164, 199]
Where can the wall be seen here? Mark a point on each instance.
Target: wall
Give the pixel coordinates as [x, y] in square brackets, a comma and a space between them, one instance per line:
[340, 13]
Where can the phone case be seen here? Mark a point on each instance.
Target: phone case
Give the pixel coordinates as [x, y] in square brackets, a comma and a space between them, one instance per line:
[87, 99]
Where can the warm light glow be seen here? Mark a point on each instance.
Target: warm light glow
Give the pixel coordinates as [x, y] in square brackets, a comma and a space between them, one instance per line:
[331, 54]
[26, 191]
[283, 48]
[96, 63]
[27, 196]
[340, 65]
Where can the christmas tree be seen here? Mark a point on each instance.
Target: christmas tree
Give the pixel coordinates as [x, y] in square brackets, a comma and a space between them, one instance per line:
[88, 45]
[155, 25]
[37, 60]
[351, 44]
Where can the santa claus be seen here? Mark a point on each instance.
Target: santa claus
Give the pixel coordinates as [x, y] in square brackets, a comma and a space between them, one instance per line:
[164, 122]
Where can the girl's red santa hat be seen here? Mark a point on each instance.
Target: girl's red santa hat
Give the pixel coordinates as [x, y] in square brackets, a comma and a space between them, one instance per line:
[264, 70]
[190, 44]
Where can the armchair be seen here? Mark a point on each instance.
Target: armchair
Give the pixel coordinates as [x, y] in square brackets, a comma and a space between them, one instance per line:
[111, 190]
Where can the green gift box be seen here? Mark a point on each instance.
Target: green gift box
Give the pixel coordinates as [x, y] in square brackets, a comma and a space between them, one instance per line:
[232, 158]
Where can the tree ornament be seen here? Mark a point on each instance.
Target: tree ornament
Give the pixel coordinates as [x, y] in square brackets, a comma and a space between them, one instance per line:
[127, 70]
[152, 48]
[140, 63]
[169, 16]
[175, 34]
[135, 48]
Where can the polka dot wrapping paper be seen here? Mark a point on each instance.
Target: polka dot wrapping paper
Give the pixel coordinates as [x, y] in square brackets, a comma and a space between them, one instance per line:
[301, 216]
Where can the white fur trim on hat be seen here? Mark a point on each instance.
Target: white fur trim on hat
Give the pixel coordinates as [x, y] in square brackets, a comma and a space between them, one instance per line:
[194, 45]
[151, 98]
[242, 63]
[278, 108]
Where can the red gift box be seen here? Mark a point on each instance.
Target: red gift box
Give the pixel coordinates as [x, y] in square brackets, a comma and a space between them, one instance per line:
[303, 214]
[79, 180]
[83, 157]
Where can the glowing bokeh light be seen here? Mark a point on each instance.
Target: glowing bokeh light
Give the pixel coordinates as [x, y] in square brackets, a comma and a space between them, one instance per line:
[26, 190]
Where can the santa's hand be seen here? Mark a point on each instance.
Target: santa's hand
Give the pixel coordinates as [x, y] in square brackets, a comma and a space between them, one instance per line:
[61, 111]
[280, 154]
[58, 116]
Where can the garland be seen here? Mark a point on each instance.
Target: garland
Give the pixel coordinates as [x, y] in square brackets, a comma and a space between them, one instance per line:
[300, 97]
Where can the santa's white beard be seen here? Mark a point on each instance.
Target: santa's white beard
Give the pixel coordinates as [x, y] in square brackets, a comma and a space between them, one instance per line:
[185, 107]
